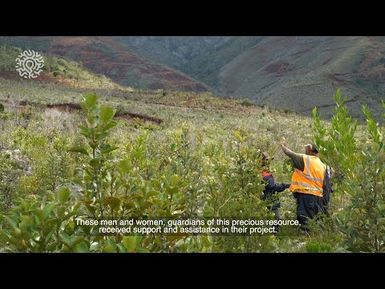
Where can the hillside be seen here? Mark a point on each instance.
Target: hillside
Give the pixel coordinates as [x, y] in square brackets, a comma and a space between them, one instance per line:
[77, 148]
[104, 55]
[173, 142]
[301, 72]
[175, 155]
[293, 73]
[198, 56]
[56, 71]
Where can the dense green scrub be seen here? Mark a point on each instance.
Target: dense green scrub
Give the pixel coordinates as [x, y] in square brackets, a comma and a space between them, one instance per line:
[202, 161]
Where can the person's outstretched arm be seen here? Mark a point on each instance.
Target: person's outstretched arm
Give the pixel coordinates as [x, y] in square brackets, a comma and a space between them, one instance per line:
[296, 158]
[273, 186]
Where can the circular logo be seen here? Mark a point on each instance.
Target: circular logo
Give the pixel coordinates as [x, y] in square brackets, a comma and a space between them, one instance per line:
[29, 64]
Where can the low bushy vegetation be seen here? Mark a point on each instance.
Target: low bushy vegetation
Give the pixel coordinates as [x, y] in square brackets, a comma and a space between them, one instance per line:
[202, 161]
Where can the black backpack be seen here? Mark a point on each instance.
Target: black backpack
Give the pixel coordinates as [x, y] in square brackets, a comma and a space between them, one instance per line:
[327, 188]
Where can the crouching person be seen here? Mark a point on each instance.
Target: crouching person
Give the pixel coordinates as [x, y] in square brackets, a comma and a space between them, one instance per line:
[269, 194]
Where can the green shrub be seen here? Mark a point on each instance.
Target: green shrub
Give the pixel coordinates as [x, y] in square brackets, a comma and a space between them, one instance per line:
[360, 178]
[196, 165]
[12, 166]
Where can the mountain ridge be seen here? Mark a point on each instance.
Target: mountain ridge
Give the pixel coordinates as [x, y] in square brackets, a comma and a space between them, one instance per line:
[290, 72]
[103, 55]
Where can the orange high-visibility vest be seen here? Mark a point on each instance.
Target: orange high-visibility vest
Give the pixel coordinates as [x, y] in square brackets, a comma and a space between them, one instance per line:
[310, 181]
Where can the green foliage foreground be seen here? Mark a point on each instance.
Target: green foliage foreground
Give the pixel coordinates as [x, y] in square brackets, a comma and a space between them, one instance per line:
[180, 175]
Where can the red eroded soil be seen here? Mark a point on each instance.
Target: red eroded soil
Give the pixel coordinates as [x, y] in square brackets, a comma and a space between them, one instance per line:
[106, 56]
[279, 67]
[70, 107]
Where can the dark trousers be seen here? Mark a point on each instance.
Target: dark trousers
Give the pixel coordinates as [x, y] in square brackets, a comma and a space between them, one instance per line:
[275, 209]
[307, 207]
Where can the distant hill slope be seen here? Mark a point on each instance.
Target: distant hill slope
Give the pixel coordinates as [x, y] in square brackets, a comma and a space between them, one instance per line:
[106, 55]
[302, 72]
[56, 70]
[295, 73]
[199, 56]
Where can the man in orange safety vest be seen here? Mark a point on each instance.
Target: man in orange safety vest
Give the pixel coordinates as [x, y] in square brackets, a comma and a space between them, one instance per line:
[307, 182]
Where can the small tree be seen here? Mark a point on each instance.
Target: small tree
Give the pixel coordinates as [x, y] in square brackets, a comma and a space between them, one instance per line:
[338, 143]
[98, 170]
[364, 222]
[360, 177]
